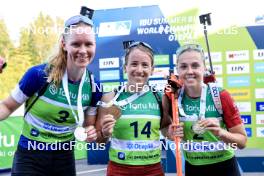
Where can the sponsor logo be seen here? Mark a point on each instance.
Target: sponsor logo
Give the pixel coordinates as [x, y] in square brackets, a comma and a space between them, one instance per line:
[6, 141]
[240, 94]
[260, 132]
[259, 81]
[259, 67]
[249, 132]
[237, 68]
[109, 75]
[237, 55]
[109, 62]
[258, 54]
[121, 155]
[238, 81]
[246, 119]
[160, 72]
[259, 19]
[215, 56]
[116, 28]
[244, 106]
[259, 93]
[260, 119]
[34, 132]
[53, 89]
[260, 106]
[161, 60]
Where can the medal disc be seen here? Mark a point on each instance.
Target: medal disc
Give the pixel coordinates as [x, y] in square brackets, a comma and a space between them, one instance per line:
[198, 129]
[80, 134]
[113, 110]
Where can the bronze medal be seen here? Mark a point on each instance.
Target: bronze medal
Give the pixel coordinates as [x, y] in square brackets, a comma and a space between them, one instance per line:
[113, 110]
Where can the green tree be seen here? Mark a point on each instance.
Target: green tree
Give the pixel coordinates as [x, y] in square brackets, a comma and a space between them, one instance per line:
[35, 45]
[6, 45]
[39, 38]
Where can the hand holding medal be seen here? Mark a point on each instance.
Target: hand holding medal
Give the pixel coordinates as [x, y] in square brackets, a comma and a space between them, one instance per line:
[111, 108]
[212, 124]
[198, 128]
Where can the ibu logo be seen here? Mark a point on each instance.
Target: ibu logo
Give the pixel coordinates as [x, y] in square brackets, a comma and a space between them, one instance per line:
[34, 132]
[7, 141]
[121, 155]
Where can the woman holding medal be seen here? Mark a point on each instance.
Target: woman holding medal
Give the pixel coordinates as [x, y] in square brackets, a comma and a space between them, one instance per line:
[211, 137]
[59, 103]
[131, 115]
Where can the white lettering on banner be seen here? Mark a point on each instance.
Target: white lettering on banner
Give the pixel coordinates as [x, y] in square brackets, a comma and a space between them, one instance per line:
[259, 93]
[259, 54]
[109, 62]
[160, 21]
[6, 141]
[237, 55]
[215, 56]
[238, 68]
[244, 106]
[260, 131]
[260, 119]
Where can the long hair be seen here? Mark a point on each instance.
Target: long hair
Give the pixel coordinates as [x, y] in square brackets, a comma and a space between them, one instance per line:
[57, 65]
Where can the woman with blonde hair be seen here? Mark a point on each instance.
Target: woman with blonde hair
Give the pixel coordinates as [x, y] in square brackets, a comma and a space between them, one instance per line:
[60, 104]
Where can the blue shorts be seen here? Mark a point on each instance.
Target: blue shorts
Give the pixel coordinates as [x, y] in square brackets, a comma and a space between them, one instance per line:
[43, 163]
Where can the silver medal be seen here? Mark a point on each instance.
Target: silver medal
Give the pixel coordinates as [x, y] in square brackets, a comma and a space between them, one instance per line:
[80, 134]
[198, 129]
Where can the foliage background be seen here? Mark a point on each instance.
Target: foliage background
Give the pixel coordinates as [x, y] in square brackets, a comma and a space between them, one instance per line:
[36, 44]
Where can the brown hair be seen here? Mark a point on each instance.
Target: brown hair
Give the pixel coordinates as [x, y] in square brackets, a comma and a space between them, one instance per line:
[141, 48]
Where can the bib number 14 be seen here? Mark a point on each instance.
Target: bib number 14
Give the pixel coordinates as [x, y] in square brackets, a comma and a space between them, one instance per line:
[146, 130]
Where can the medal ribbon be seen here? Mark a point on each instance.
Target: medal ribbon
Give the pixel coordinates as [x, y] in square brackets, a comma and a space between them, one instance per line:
[202, 103]
[80, 118]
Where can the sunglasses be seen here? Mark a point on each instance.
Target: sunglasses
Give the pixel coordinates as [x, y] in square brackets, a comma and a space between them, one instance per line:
[186, 47]
[78, 19]
[131, 43]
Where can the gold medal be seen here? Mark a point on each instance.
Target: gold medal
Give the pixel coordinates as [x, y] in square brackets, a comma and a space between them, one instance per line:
[113, 110]
[198, 129]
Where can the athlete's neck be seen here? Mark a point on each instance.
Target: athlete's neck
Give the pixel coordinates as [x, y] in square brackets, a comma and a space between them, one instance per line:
[193, 92]
[75, 74]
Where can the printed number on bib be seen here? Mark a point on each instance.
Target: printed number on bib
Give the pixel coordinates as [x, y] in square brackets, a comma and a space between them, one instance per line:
[145, 131]
[63, 115]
